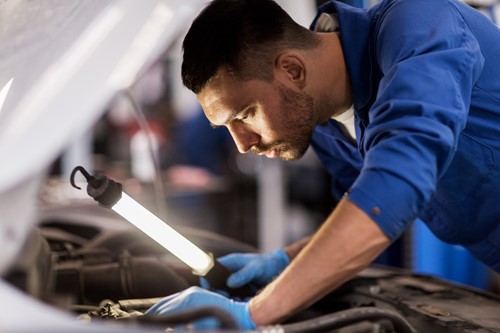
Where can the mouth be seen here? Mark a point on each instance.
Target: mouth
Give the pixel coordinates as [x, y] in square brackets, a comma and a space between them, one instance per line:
[273, 153]
[269, 153]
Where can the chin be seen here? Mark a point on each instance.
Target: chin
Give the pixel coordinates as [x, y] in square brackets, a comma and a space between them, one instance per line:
[292, 154]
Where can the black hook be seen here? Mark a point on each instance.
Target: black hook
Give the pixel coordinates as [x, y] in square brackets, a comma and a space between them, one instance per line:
[84, 172]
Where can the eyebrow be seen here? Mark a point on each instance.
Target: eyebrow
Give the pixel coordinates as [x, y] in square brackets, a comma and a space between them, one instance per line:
[230, 118]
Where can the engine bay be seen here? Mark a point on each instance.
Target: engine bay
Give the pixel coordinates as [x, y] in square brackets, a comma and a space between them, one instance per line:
[86, 260]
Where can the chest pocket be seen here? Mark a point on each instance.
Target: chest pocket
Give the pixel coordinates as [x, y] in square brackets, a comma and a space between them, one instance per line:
[469, 178]
[471, 166]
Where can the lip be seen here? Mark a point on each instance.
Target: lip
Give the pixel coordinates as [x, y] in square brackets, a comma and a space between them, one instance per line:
[273, 153]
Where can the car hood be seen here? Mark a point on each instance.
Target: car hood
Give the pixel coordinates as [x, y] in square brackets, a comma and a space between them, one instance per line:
[61, 63]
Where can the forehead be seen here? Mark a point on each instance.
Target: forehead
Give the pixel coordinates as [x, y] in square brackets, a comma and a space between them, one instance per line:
[224, 96]
[219, 91]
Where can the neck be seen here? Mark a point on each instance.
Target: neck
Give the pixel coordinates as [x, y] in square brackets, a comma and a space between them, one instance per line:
[332, 86]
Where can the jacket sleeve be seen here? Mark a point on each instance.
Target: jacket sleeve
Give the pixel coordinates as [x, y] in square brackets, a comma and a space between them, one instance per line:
[429, 62]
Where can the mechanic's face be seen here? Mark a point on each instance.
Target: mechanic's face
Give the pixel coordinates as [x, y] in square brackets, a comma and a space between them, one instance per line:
[267, 118]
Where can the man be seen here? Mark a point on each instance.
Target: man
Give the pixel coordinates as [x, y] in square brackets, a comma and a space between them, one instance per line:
[422, 77]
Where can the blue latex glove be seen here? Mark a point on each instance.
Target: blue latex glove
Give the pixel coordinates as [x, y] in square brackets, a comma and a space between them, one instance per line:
[254, 268]
[197, 297]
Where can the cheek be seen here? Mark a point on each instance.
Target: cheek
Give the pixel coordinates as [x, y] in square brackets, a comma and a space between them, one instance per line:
[274, 119]
[271, 127]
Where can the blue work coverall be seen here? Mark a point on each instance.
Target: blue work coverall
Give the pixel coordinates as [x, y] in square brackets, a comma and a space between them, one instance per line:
[425, 76]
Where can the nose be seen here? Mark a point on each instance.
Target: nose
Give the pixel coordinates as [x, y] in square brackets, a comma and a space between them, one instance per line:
[243, 137]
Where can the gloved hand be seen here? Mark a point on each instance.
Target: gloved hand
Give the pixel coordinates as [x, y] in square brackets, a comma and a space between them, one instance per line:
[197, 297]
[257, 269]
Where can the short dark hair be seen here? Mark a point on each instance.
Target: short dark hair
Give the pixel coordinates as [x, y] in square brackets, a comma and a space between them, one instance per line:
[241, 36]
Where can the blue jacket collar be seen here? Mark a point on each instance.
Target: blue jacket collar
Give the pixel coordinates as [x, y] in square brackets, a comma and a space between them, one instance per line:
[355, 30]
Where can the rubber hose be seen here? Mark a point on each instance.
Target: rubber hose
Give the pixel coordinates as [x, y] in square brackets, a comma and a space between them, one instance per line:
[347, 317]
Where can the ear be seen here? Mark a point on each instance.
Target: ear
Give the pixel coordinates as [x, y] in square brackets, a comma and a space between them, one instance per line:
[290, 68]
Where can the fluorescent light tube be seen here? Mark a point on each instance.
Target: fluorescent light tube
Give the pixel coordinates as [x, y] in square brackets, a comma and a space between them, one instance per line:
[163, 234]
[109, 194]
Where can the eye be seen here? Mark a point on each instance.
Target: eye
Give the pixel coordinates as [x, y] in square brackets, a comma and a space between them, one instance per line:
[248, 113]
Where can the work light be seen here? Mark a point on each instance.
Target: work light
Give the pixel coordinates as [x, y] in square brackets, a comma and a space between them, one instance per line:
[109, 193]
